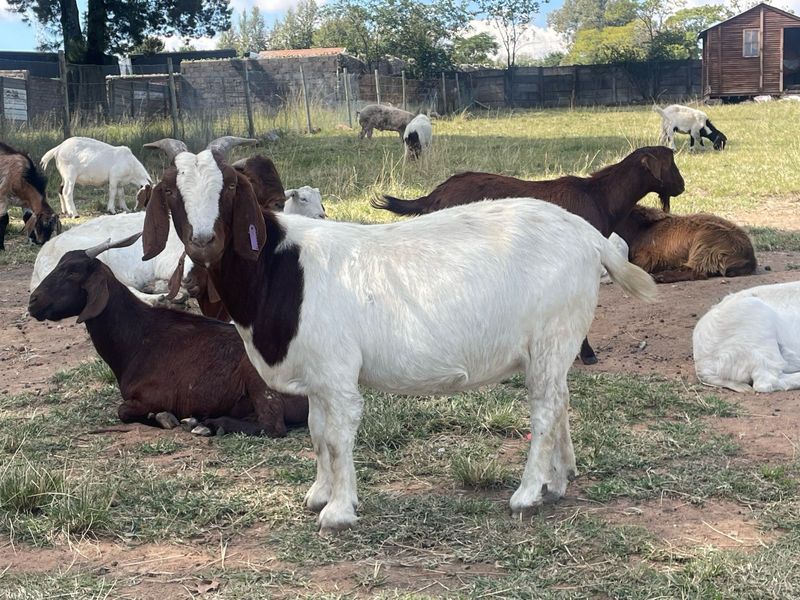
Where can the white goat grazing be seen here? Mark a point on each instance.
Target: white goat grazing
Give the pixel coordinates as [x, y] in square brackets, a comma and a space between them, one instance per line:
[684, 119]
[449, 301]
[306, 201]
[418, 135]
[751, 340]
[86, 161]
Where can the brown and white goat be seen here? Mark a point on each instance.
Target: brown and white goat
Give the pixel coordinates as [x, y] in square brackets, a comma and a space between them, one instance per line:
[444, 303]
[23, 184]
[164, 360]
[604, 198]
[686, 247]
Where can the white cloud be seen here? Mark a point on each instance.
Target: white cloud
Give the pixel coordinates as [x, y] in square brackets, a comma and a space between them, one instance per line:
[267, 6]
[7, 14]
[173, 43]
[536, 42]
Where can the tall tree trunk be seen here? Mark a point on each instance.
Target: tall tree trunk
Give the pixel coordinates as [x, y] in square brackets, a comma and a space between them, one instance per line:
[96, 32]
[74, 45]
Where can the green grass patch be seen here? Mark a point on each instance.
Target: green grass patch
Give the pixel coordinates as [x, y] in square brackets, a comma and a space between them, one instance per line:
[768, 239]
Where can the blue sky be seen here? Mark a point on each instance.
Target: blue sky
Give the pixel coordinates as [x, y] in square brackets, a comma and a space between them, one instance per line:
[17, 35]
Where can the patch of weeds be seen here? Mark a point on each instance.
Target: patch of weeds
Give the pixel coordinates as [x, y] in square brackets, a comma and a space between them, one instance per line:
[47, 586]
[768, 239]
[37, 504]
[479, 472]
[92, 371]
[160, 447]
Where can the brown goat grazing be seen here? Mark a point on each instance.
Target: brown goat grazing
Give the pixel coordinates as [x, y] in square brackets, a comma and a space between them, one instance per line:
[686, 247]
[164, 360]
[604, 198]
[23, 184]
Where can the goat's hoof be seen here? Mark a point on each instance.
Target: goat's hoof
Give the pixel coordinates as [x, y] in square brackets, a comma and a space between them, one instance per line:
[330, 525]
[202, 430]
[167, 420]
[189, 423]
[589, 360]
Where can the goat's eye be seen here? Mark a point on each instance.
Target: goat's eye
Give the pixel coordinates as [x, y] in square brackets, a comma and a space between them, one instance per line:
[232, 186]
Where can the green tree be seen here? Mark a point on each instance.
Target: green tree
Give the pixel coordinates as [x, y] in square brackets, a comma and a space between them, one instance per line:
[417, 32]
[248, 35]
[512, 18]
[296, 30]
[117, 26]
[149, 45]
[575, 15]
[474, 49]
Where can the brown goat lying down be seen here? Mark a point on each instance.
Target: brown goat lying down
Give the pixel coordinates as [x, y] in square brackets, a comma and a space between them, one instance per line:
[604, 198]
[685, 247]
[164, 360]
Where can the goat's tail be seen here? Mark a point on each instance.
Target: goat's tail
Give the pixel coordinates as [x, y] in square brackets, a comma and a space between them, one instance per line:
[48, 156]
[658, 109]
[632, 279]
[400, 206]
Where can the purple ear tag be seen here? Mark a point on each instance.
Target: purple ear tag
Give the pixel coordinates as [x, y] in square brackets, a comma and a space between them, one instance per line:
[253, 238]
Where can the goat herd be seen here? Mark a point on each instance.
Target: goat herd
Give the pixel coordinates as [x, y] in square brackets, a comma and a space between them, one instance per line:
[504, 280]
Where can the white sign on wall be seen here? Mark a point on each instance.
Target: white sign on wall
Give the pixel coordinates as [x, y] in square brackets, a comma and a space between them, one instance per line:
[15, 102]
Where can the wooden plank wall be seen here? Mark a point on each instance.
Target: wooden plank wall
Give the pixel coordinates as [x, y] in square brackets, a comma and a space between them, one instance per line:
[727, 72]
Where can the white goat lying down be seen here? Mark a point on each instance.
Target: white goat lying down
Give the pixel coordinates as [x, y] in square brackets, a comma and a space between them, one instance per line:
[86, 161]
[684, 119]
[306, 201]
[751, 340]
[147, 280]
[446, 302]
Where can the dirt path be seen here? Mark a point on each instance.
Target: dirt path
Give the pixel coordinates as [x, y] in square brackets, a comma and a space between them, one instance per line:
[31, 352]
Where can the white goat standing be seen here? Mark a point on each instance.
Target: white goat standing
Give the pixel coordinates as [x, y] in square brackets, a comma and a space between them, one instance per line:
[751, 340]
[684, 119]
[306, 201]
[86, 161]
[418, 135]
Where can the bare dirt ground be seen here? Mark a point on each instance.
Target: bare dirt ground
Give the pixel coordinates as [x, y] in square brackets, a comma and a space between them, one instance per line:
[628, 336]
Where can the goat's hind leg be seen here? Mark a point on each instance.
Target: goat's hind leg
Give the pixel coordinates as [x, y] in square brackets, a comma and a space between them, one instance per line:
[551, 458]
[342, 418]
[320, 492]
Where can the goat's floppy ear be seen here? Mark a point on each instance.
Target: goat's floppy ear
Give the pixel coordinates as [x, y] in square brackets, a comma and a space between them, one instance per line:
[96, 287]
[156, 224]
[249, 229]
[652, 164]
[177, 277]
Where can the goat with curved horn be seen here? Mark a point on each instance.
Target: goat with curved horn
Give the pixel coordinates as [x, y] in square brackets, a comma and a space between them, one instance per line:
[95, 251]
[226, 142]
[169, 146]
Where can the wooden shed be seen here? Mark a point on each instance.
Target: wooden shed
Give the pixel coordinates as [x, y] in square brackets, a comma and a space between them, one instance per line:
[755, 52]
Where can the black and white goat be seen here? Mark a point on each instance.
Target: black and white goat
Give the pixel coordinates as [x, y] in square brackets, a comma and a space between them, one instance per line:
[683, 119]
[443, 303]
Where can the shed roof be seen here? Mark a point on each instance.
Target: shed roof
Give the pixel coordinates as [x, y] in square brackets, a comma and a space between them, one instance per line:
[757, 6]
[303, 52]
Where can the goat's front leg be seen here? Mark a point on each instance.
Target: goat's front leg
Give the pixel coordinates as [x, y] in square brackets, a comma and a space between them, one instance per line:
[112, 196]
[121, 204]
[343, 416]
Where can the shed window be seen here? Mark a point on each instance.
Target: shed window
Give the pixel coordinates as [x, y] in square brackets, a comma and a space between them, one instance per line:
[750, 45]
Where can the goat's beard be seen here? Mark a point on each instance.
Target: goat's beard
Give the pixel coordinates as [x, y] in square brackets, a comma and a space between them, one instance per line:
[664, 202]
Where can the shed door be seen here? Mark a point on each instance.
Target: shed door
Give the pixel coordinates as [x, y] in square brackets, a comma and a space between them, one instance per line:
[791, 60]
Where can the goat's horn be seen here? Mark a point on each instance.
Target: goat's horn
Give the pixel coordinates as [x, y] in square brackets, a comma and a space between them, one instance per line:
[225, 143]
[169, 146]
[95, 251]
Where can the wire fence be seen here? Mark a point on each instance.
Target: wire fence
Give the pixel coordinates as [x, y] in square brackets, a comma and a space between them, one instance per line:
[250, 97]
